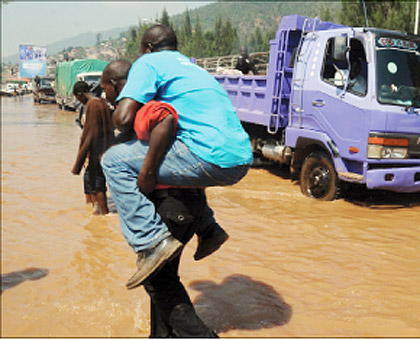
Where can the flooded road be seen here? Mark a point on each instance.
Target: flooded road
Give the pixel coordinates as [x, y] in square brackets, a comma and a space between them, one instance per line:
[293, 266]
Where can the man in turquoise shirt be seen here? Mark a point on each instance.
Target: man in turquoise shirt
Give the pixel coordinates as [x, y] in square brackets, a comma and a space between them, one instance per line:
[210, 149]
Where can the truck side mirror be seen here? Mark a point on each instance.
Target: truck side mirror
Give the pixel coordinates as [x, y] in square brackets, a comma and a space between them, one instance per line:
[339, 48]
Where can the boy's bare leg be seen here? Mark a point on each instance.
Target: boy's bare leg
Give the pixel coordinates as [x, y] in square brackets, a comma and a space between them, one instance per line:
[89, 199]
[100, 198]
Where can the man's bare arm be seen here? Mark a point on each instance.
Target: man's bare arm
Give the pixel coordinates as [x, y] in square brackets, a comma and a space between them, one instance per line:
[160, 139]
[125, 114]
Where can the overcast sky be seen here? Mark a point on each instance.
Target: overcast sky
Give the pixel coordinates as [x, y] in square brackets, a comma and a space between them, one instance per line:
[45, 22]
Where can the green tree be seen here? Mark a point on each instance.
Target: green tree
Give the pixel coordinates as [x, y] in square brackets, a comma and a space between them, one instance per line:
[230, 37]
[326, 13]
[133, 33]
[269, 35]
[165, 20]
[210, 43]
[217, 41]
[198, 42]
[184, 35]
[259, 42]
[394, 15]
[186, 28]
[133, 41]
[256, 42]
[225, 37]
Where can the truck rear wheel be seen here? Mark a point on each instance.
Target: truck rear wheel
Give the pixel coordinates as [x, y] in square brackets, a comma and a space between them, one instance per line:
[318, 178]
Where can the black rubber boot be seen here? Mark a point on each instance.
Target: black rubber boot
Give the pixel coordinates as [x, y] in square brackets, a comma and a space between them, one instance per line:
[185, 323]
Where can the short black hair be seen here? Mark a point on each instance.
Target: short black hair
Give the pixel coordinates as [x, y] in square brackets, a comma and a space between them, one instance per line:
[81, 87]
[159, 38]
[116, 70]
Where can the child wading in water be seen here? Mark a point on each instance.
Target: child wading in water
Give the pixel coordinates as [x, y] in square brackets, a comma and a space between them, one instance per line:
[97, 137]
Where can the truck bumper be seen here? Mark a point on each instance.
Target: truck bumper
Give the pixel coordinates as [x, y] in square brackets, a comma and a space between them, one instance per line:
[47, 97]
[394, 179]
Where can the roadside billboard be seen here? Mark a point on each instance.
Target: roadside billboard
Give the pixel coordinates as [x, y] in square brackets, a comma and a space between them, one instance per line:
[32, 61]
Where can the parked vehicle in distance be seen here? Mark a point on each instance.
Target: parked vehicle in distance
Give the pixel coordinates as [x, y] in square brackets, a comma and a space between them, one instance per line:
[94, 81]
[90, 77]
[42, 89]
[9, 89]
[314, 113]
[67, 73]
[26, 88]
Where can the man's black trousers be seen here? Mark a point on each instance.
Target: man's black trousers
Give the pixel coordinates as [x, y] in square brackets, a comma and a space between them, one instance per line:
[172, 312]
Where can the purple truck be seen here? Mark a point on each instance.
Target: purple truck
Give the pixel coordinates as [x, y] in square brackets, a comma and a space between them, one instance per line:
[338, 104]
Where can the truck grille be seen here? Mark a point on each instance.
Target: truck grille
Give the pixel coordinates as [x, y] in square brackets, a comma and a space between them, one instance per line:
[414, 148]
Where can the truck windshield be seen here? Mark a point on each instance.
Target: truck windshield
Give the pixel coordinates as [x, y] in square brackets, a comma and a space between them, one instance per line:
[92, 78]
[46, 82]
[398, 70]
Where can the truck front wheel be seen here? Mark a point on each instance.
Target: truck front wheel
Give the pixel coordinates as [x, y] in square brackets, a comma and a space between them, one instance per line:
[318, 178]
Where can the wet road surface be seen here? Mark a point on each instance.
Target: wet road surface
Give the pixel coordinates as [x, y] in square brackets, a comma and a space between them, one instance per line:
[292, 267]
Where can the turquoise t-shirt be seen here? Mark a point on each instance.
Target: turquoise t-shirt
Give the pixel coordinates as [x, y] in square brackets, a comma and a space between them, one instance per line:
[207, 124]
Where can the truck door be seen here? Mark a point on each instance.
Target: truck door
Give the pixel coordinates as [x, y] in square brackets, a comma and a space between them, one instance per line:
[335, 105]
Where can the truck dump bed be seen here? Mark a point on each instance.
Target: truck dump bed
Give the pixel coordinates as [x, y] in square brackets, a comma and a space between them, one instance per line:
[264, 100]
[247, 94]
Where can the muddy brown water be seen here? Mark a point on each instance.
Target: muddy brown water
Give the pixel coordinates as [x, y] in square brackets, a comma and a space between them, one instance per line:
[293, 266]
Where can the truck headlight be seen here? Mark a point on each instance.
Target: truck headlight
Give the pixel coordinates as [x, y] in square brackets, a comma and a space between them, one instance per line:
[387, 148]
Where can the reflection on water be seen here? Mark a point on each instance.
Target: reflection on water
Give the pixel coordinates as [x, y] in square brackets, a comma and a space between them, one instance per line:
[292, 267]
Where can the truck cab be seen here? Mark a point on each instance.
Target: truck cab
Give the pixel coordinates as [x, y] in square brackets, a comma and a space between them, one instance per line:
[43, 90]
[369, 128]
[93, 79]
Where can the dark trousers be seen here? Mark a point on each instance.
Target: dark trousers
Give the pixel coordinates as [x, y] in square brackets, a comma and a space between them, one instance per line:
[172, 312]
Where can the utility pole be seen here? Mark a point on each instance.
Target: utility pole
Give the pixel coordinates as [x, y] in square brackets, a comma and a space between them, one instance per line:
[416, 23]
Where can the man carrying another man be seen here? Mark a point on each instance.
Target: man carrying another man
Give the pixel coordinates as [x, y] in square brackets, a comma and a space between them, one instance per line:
[211, 147]
[183, 211]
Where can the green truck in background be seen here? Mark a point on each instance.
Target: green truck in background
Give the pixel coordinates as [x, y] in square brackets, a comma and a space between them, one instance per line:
[67, 73]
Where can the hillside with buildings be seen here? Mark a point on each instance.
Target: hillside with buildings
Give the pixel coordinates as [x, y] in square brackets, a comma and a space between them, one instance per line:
[221, 28]
[244, 16]
[106, 50]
